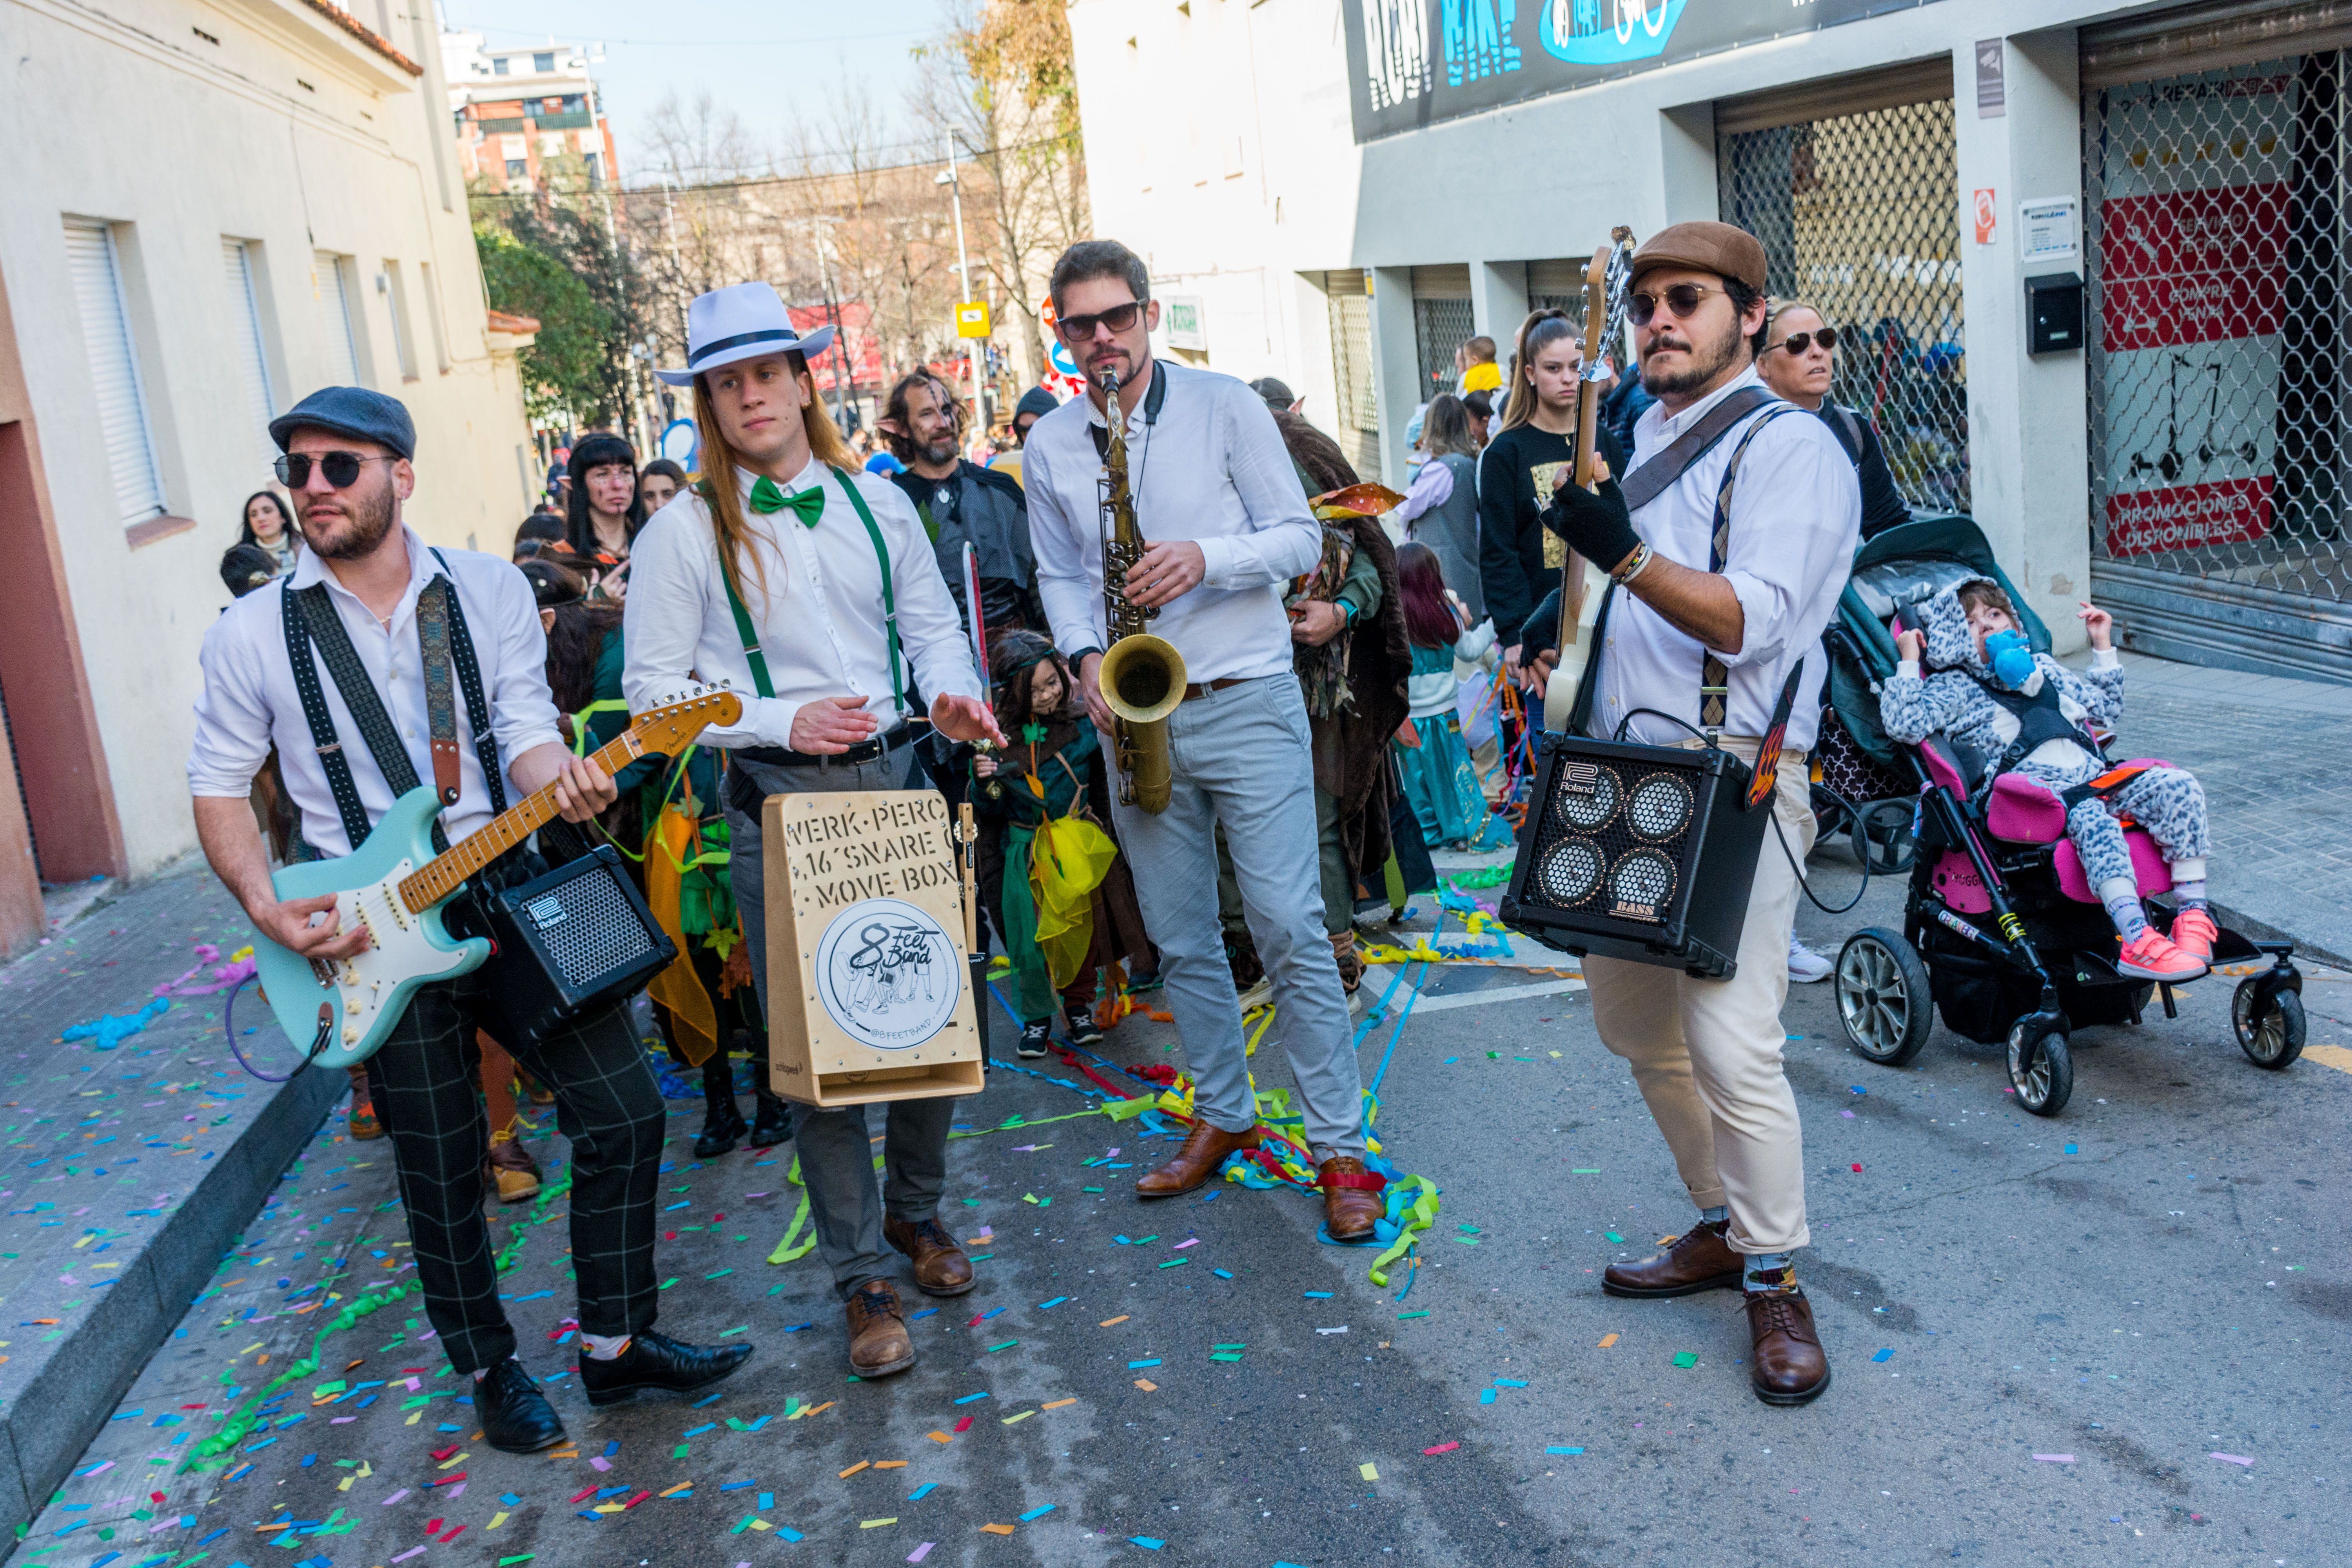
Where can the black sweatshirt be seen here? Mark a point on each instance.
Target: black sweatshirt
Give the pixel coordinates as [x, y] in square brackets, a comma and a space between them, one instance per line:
[1511, 567]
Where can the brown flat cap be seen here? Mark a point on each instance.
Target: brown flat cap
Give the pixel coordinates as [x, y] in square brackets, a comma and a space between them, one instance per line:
[1704, 246]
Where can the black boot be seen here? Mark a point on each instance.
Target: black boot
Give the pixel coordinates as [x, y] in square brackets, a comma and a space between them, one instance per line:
[722, 1124]
[657, 1360]
[774, 1123]
[515, 1415]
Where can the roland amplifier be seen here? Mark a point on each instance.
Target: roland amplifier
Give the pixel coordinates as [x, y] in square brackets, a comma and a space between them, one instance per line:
[577, 938]
[1637, 852]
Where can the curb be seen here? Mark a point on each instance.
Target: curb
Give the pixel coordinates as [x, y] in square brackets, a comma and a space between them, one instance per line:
[2305, 950]
[84, 1375]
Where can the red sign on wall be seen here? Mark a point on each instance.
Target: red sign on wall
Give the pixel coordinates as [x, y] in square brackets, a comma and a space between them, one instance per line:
[857, 339]
[2193, 266]
[2227, 511]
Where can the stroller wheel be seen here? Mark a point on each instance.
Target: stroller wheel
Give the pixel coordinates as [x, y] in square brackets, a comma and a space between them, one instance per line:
[1881, 837]
[1882, 997]
[2041, 1066]
[2275, 1038]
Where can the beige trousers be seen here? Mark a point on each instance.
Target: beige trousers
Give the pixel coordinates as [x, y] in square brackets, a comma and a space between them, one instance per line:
[1707, 1053]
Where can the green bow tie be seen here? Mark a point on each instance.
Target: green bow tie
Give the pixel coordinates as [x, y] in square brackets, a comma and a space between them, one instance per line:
[768, 496]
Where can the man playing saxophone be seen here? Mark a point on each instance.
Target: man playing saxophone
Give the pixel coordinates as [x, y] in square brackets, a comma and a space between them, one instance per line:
[1224, 524]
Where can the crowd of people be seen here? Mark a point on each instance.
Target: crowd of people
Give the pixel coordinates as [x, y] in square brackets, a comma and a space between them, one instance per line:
[1356, 660]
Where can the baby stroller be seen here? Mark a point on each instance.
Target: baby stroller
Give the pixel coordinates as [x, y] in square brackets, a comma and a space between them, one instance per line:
[2001, 931]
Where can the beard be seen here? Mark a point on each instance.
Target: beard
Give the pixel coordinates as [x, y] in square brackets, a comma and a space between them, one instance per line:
[1707, 361]
[359, 525]
[942, 450]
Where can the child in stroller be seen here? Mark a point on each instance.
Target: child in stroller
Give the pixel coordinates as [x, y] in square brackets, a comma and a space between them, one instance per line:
[1966, 668]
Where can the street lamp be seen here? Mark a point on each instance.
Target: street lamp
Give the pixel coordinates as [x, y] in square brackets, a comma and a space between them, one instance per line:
[949, 178]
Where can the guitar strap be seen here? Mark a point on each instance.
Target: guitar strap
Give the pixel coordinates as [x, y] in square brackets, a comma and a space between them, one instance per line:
[1644, 485]
[445, 642]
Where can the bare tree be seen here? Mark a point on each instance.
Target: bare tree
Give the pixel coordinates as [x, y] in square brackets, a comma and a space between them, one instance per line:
[1000, 81]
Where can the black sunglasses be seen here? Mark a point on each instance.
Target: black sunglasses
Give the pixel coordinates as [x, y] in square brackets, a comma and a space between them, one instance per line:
[1118, 318]
[341, 469]
[1683, 300]
[1798, 342]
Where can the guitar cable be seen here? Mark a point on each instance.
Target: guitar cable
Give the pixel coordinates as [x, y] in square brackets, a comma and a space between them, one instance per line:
[319, 1043]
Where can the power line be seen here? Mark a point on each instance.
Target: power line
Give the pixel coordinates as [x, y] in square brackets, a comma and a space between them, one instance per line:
[752, 183]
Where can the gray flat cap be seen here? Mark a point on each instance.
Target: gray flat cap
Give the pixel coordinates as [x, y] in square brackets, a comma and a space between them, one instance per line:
[352, 411]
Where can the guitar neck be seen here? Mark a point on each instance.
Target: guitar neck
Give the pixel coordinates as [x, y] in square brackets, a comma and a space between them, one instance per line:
[448, 872]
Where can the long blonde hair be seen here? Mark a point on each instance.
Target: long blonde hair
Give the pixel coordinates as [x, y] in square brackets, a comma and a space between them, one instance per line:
[1535, 334]
[731, 529]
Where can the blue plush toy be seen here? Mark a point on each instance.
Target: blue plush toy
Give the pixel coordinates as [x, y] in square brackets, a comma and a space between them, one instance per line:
[2010, 655]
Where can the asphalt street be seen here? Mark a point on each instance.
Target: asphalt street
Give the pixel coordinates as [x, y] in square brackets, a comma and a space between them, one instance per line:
[2110, 1338]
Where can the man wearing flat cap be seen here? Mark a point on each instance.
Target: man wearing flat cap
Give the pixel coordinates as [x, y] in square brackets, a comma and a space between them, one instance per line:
[1721, 591]
[368, 669]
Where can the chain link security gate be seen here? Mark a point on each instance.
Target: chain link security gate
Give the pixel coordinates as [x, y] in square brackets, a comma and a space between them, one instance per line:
[1439, 327]
[1859, 216]
[1358, 418]
[2216, 252]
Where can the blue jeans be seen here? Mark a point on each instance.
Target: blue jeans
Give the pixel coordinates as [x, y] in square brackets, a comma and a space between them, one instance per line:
[1241, 760]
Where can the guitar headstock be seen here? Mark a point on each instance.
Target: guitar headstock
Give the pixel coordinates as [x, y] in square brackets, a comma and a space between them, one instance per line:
[1607, 283]
[672, 727]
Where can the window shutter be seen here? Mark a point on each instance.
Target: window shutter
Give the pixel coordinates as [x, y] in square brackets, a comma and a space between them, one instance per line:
[114, 372]
[253, 359]
[342, 354]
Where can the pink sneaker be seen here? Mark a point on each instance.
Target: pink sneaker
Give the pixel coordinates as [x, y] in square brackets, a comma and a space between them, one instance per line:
[2152, 956]
[2193, 933]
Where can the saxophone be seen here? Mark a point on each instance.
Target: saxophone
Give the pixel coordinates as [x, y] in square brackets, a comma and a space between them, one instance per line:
[1141, 676]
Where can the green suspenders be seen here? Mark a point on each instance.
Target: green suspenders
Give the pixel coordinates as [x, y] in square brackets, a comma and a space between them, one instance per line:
[758, 661]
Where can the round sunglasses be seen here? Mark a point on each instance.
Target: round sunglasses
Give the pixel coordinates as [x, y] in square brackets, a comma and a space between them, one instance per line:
[341, 469]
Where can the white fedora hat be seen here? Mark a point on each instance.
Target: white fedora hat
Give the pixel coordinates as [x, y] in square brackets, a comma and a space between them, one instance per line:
[728, 326]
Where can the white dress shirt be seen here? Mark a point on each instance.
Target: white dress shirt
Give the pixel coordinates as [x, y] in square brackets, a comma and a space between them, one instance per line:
[1796, 516]
[815, 602]
[249, 701]
[1211, 470]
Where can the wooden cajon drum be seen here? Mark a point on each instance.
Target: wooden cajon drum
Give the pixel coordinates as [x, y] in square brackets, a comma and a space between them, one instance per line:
[867, 995]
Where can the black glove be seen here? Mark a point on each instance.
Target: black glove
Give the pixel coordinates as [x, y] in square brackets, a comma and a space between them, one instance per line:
[1595, 524]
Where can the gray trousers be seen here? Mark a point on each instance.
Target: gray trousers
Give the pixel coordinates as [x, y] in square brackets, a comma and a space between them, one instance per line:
[836, 1153]
[1241, 760]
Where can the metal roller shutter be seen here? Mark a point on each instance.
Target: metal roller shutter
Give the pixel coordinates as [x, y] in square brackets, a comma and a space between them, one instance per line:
[343, 352]
[252, 357]
[114, 372]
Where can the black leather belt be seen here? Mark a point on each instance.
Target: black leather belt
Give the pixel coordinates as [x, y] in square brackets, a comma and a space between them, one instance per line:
[872, 751]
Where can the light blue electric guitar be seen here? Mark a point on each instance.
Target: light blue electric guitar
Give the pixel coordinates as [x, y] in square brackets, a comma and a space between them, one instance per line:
[336, 1011]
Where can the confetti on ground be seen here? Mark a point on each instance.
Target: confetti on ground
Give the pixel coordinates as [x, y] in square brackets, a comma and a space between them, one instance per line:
[1886, 1355]
[1368, 1471]
[1146, 1384]
[1686, 1358]
[2231, 1459]
[1607, 1339]
[1109, 1322]
[1561, 1448]
[1442, 1448]
[2055, 1459]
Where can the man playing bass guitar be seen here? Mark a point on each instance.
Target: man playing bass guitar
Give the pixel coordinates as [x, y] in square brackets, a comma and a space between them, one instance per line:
[434, 638]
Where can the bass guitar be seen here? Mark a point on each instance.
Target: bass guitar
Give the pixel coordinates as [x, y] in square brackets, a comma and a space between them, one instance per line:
[1581, 583]
[337, 1011]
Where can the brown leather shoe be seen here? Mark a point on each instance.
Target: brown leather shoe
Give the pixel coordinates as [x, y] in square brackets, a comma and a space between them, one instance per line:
[1785, 1359]
[940, 1267]
[1351, 1197]
[511, 1167]
[1196, 1160]
[1698, 1259]
[879, 1343]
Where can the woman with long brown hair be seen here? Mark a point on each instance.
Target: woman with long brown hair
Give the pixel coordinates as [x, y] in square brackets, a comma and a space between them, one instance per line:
[1518, 561]
[810, 587]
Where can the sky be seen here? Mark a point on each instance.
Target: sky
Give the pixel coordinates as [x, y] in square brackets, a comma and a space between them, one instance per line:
[765, 61]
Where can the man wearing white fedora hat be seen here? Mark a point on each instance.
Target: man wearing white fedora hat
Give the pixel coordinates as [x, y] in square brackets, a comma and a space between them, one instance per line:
[796, 577]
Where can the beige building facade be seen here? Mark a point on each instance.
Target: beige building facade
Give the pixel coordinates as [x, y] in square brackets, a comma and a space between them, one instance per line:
[214, 208]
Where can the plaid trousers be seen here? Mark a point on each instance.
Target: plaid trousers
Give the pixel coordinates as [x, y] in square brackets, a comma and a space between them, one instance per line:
[607, 1104]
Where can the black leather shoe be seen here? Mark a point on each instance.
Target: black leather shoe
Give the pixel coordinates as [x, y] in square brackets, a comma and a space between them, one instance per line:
[657, 1360]
[722, 1125]
[773, 1124]
[515, 1415]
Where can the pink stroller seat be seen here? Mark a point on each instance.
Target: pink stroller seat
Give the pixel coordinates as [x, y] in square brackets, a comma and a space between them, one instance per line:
[2026, 811]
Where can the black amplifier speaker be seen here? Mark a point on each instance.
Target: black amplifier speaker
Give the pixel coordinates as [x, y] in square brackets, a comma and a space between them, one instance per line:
[1638, 852]
[576, 938]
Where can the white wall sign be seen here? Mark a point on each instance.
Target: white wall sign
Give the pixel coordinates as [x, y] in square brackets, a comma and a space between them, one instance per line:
[2047, 229]
[1181, 319]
